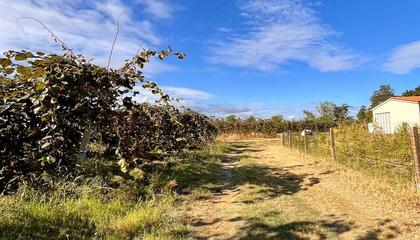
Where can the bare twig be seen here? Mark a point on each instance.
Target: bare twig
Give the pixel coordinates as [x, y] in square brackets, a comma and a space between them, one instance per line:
[115, 39]
[131, 63]
[55, 37]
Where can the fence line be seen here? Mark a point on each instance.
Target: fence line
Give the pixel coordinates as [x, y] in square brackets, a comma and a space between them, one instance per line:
[332, 142]
[395, 155]
[416, 155]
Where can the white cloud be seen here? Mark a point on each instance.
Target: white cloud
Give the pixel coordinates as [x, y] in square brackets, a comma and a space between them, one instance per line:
[201, 101]
[251, 109]
[158, 8]
[280, 31]
[188, 93]
[223, 110]
[225, 29]
[87, 26]
[188, 97]
[155, 67]
[404, 58]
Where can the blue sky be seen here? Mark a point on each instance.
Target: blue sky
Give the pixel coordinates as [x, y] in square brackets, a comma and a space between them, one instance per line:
[243, 57]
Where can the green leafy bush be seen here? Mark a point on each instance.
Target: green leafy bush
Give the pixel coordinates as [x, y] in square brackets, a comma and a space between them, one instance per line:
[51, 104]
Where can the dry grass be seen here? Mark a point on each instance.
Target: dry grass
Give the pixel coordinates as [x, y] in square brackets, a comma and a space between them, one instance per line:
[400, 193]
[271, 192]
[91, 210]
[359, 195]
[241, 136]
[236, 189]
[384, 155]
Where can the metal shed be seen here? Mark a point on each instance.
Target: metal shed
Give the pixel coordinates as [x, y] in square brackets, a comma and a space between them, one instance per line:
[390, 114]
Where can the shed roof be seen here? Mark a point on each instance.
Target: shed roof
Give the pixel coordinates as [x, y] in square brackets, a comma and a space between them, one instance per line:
[404, 99]
[410, 99]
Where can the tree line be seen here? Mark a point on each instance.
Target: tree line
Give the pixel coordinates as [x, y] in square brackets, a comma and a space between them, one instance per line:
[327, 114]
[380, 95]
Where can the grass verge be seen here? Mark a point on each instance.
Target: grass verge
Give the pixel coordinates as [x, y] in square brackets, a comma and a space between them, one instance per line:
[93, 213]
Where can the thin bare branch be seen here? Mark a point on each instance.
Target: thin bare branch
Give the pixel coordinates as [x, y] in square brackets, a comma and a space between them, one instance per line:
[115, 39]
[55, 37]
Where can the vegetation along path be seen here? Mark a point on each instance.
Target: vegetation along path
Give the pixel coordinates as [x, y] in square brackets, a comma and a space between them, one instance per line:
[262, 190]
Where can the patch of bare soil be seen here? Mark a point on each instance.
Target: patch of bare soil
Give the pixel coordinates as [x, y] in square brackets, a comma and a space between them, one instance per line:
[280, 194]
[349, 196]
[212, 217]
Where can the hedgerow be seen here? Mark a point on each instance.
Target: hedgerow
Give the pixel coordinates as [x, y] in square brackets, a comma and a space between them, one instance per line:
[269, 127]
[52, 106]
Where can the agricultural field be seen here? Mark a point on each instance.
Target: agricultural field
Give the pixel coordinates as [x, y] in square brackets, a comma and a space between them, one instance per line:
[232, 189]
[82, 160]
[209, 120]
[266, 191]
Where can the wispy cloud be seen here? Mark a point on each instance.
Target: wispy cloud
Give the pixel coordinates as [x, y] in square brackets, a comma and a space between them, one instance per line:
[404, 58]
[188, 93]
[159, 8]
[188, 97]
[87, 26]
[222, 110]
[203, 102]
[279, 31]
[291, 111]
[225, 29]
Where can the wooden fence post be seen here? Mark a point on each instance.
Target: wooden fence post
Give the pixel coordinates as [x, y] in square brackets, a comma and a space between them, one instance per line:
[305, 142]
[282, 138]
[290, 139]
[416, 155]
[85, 141]
[334, 158]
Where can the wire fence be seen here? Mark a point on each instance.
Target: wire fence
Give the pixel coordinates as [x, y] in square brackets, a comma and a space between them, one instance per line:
[393, 155]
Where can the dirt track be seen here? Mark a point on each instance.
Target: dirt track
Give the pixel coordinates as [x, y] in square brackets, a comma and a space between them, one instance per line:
[265, 191]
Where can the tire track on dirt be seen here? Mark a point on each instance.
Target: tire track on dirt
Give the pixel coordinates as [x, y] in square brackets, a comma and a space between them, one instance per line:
[265, 191]
[214, 216]
[335, 197]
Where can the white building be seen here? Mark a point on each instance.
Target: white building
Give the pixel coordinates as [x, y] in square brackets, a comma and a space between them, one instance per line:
[390, 114]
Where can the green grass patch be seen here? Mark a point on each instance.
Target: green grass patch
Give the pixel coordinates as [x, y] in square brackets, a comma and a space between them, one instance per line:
[199, 171]
[129, 210]
[87, 218]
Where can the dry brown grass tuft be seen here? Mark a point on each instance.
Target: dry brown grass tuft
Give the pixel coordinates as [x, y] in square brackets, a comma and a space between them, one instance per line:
[241, 136]
[265, 191]
[398, 193]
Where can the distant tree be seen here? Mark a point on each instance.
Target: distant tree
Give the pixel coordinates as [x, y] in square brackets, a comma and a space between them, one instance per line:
[231, 119]
[277, 119]
[341, 113]
[383, 93]
[251, 120]
[309, 116]
[413, 92]
[275, 123]
[326, 111]
[363, 113]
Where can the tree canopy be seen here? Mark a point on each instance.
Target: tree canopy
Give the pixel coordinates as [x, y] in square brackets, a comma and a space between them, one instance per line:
[363, 113]
[383, 93]
[412, 92]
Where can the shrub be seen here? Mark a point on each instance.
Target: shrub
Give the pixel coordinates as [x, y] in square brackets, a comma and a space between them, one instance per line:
[89, 217]
[384, 154]
[50, 105]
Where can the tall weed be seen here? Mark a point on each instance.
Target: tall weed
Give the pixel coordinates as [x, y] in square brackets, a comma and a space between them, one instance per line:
[386, 155]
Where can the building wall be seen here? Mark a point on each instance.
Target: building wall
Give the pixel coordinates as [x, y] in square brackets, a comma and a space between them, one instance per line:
[399, 112]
